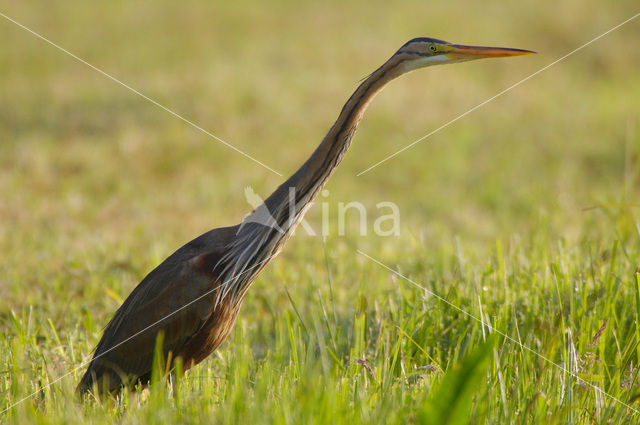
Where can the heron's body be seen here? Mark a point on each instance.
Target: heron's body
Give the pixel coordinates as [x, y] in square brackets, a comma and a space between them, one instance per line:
[193, 297]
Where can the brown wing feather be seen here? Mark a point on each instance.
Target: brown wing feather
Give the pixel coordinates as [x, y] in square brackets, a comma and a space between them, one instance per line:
[175, 299]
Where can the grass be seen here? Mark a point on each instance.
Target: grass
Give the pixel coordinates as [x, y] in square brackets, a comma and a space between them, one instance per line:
[99, 186]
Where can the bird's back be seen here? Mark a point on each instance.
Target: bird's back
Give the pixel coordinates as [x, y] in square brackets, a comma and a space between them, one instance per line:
[176, 298]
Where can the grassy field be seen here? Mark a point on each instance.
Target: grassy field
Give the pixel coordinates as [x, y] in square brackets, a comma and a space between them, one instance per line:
[98, 186]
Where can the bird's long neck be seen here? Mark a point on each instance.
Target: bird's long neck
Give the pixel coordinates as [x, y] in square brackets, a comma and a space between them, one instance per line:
[289, 202]
[263, 232]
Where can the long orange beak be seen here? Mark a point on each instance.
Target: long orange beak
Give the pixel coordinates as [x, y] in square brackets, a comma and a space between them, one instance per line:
[458, 51]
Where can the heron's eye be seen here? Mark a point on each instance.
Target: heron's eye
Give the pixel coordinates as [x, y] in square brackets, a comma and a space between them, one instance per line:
[432, 48]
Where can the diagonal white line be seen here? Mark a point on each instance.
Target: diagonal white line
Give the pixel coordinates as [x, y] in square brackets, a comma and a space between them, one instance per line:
[476, 318]
[134, 335]
[114, 79]
[496, 96]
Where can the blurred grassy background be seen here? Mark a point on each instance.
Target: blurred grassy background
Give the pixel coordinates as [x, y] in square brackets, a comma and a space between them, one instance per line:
[98, 185]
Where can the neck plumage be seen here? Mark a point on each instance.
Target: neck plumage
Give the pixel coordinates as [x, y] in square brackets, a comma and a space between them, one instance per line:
[262, 233]
[289, 202]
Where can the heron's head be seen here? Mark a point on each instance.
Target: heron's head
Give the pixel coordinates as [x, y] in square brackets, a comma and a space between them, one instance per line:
[422, 52]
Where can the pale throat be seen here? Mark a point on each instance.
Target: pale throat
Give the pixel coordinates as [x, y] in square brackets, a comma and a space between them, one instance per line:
[424, 61]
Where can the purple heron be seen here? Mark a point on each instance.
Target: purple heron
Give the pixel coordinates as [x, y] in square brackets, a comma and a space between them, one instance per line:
[193, 297]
